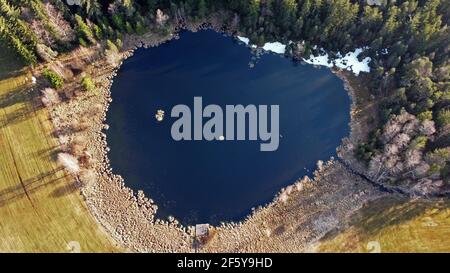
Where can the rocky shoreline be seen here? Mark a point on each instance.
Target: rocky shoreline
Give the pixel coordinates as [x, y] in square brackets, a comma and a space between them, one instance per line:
[297, 218]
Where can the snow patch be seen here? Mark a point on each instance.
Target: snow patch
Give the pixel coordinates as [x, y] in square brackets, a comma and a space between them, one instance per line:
[244, 40]
[349, 61]
[275, 47]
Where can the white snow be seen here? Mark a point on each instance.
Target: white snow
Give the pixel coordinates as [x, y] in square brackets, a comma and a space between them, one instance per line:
[275, 47]
[349, 61]
[244, 40]
[319, 60]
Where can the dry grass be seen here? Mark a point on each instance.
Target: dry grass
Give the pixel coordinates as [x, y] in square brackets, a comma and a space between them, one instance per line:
[395, 225]
[41, 210]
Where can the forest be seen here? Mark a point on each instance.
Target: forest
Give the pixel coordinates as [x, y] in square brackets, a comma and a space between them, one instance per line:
[408, 42]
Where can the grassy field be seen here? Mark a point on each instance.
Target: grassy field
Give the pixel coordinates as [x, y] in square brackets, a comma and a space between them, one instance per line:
[395, 225]
[41, 210]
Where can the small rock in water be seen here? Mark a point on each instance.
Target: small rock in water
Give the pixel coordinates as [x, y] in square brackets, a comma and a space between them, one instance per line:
[159, 115]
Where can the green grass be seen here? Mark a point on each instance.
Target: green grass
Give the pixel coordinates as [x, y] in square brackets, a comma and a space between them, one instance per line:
[41, 210]
[396, 225]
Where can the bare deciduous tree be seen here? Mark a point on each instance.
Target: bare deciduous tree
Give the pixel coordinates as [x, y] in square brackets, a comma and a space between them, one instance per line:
[427, 127]
[80, 124]
[50, 97]
[161, 18]
[69, 162]
[88, 177]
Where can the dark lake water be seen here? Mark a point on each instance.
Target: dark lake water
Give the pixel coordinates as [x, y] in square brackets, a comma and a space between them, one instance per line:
[213, 181]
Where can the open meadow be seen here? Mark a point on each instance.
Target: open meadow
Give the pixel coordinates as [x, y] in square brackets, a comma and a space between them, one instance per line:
[393, 224]
[41, 210]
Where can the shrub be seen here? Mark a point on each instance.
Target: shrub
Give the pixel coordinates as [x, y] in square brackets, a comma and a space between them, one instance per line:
[366, 150]
[54, 79]
[129, 27]
[87, 83]
[425, 115]
[83, 30]
[441, 153]
[111, 46]
[119, 43]
[443, 117]
[419, 142]
[82, 42]
[118, 22]
[98, 32]
[140, 29]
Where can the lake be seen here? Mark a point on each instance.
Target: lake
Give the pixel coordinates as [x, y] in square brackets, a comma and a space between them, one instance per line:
[212, 181]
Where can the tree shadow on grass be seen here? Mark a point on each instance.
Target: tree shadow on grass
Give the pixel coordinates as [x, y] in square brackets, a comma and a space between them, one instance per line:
[385, 212]
[48, 153]
[30, 186]
[11, 65]
[64, 190]
[388, 211]
[27, 101]
[14, 95]
[16, 117]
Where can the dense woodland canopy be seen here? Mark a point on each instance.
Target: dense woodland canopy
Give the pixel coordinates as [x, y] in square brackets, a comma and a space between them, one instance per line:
[408, 42]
